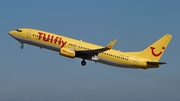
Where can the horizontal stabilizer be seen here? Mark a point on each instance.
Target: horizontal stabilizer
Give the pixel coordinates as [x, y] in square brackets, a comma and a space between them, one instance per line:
[156, 63]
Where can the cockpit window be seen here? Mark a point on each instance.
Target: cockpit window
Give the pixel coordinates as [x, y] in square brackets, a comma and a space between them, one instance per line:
[18, 30]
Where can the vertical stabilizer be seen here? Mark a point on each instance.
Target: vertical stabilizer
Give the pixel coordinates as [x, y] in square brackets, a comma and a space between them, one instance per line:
[156, 50]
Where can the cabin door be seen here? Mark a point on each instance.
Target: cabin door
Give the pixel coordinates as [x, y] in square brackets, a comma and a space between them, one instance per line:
[135, 61]
[28, 34]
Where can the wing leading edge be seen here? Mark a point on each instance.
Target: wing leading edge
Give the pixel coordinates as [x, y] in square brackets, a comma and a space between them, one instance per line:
[88, 54]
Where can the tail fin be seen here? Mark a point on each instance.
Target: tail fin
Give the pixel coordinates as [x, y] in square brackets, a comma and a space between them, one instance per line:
[156, 50]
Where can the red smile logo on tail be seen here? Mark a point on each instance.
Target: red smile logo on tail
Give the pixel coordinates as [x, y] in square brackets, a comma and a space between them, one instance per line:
[156, 54]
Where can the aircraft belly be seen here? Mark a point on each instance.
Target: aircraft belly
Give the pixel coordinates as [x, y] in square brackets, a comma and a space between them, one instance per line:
[41, 45]
[111, 63]
[38, 44]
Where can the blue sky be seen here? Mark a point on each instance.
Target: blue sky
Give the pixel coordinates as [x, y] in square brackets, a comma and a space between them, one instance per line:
[33, 74]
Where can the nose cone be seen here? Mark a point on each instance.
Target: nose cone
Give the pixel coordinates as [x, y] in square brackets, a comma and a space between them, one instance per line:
[11, 33]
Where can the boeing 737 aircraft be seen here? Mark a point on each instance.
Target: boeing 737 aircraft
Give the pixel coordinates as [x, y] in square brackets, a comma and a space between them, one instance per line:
[72, 48]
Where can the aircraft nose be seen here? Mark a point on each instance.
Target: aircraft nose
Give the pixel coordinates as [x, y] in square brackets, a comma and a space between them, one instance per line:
[11, 33]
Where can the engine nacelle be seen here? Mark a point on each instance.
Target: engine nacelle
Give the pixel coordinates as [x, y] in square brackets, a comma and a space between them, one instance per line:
[67, 52]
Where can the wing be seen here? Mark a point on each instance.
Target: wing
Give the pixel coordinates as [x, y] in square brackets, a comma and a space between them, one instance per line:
[88, 54]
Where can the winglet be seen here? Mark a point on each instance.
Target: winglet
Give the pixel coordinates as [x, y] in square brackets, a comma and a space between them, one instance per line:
[111, 44]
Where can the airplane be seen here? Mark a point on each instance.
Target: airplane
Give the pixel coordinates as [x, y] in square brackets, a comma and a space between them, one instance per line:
[72, 48]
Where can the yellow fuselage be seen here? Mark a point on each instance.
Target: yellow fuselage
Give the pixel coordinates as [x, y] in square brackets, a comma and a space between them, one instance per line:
[56, 42]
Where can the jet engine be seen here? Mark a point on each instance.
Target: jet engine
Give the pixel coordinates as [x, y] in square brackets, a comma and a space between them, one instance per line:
[67, 52]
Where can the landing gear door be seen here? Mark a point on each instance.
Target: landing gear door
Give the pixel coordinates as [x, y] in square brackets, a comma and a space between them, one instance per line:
[29, 34]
